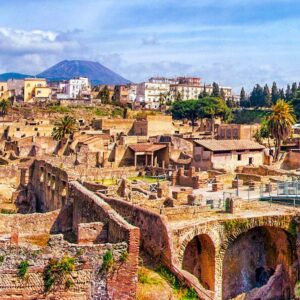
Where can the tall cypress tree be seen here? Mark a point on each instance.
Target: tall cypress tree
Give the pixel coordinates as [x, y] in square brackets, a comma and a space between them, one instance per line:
[288, 93]
[275, 93]
[294, 89]
[244, 100]
[257, 96]
[267, 96]
[216, 90]
[281, 94]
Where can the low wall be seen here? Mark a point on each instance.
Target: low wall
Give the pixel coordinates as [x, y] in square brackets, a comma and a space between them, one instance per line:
[28, 224]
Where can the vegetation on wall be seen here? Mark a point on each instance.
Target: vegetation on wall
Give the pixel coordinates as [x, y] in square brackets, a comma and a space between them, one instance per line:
[23, 269]
[57, 269]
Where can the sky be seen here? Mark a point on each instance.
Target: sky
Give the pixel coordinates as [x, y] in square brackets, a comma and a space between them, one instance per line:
[233, 42]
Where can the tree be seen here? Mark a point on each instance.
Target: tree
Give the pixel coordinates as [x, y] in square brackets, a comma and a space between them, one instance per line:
[4, 105]
[65, 126]
[104, 95]
[212, 107]
[263, 132]
[275, 93]
[204, 93]
[280, 123]
[288, 93]
[296, 104]
[178, 96]
[294, 89]
[188, 110]
[267, 96]
[244, 100]
[257, 96]
[231, 103]
[215, 90]
[281, 94]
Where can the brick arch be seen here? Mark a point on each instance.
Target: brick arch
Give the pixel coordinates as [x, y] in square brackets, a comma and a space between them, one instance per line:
[244, 225]
[258, 247]
[211, 229]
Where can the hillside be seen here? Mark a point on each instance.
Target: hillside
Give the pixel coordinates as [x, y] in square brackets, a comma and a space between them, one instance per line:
[7, 76]
[97, 73]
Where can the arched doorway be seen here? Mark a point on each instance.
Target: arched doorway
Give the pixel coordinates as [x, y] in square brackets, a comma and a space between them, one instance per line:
[199, 260]
[253, 257]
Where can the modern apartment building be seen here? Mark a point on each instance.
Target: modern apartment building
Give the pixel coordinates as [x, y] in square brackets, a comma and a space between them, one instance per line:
[150, 92]
[77, 88]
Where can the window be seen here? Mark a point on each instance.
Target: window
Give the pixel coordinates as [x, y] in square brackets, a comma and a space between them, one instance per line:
[239, 157]
[250, 160]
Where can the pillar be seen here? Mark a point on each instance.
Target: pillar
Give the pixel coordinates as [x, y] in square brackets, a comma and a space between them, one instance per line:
[135, 159]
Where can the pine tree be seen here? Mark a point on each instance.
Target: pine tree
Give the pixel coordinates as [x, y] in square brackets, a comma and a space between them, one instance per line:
[288, 93]
[294, 89]
[257, 96]
[275, 93]
[216, 90]
[244, 100]
[281, 94]
[267, 96]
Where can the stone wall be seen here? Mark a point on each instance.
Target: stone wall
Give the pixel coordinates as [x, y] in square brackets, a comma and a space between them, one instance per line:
[153, 228]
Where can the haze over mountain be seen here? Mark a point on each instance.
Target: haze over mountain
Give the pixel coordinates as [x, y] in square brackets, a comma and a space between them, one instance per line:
[96, 72]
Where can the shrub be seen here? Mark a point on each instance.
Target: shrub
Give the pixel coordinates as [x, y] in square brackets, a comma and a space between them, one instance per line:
[23, 269]
[124, 256]
[2, 259]
[56, 269]
[108, 261]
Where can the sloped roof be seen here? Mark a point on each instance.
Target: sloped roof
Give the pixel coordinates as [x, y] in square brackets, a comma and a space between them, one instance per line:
[146, 147]
[229, 145]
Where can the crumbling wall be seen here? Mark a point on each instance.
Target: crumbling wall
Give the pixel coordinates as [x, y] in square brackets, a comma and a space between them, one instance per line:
[153, 228]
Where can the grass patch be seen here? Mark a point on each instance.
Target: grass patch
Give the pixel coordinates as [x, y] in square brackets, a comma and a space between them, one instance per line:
[146, 277]
[107, 181]
[182, 291]
[147, 179]
[59, 109]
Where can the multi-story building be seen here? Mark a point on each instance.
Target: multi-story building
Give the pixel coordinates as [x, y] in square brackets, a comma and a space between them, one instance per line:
[132, 92]
[16, 88]
[77, 88]
[3, 90]
[36, 89]
[150, 92]
[121, 94]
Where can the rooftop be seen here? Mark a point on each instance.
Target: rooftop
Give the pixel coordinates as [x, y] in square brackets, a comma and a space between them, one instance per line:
[229, 145]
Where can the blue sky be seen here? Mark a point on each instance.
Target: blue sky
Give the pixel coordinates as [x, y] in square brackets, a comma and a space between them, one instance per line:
[234, 42]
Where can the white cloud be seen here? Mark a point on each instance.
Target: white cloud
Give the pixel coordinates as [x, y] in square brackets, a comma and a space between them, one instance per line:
[14, 41]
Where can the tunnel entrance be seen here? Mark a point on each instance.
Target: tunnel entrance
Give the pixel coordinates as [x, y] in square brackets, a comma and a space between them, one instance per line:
[251, 260]
[199, 260]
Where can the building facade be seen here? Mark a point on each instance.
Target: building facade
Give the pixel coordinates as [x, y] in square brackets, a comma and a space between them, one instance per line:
[36, 89]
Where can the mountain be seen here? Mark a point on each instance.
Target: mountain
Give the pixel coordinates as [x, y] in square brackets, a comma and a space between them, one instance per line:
[7, 76]
[97, 73]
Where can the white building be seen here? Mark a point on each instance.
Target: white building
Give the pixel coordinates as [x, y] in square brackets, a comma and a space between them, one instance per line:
[74, 88]
[149, 92]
